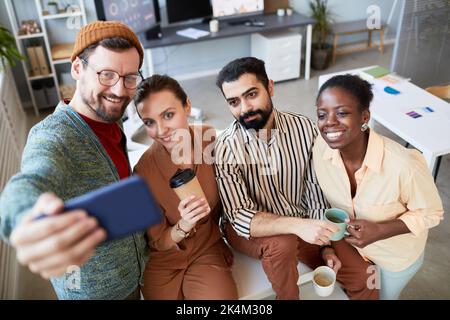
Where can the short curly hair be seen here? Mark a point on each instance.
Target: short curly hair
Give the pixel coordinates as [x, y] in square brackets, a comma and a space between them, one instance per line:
[357, 87]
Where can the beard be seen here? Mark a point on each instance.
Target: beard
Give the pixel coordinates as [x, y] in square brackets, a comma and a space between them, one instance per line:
[103, 113]
[256, 124]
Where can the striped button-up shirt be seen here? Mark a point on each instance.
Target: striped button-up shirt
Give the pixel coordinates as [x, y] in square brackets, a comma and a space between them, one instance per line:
[273, 175]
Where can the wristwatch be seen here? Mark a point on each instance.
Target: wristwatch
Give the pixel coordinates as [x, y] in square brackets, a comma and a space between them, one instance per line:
[181, 232]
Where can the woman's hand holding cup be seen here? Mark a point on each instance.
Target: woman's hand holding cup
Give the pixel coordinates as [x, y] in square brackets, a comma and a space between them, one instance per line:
[192, 209]
[363, 232]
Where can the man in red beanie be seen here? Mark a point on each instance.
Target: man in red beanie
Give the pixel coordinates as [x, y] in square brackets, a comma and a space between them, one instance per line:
[79, 148]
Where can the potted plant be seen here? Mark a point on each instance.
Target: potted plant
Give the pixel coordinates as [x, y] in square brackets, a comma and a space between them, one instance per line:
[8, 51]
[52, 7]
[322, 50]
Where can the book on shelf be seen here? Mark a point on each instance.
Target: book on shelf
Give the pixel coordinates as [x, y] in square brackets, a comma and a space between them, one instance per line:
[43, 66]
[34, 62]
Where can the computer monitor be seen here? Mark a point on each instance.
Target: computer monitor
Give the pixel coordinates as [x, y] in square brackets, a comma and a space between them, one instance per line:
[236, 8]
[140, 15]
[182, 10]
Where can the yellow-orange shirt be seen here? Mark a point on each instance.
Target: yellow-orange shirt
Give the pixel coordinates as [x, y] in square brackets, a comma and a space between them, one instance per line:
[392, 183]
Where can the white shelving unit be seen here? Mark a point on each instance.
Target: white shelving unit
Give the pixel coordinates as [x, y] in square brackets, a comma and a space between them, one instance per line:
[30, 36]
[42, 21]
[62, 61]
[61, 15]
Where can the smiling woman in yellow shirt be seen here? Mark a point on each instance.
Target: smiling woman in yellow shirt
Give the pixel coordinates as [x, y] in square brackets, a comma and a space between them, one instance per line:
[387, 189]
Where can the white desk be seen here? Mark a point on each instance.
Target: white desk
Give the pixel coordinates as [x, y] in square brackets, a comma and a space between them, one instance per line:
[272, 22]
[430, 133]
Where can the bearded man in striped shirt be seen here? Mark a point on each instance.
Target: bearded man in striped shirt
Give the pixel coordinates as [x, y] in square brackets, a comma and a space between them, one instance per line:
[273, 205]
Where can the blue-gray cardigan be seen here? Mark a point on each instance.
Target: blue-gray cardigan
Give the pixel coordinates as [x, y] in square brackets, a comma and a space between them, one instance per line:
[63, 155]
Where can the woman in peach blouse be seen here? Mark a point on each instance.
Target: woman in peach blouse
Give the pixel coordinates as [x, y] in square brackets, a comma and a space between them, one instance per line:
[387, 189]
[188, 257]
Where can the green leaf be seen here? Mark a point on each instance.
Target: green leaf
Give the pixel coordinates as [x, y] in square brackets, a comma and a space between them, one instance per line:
[322, 28]
[8, 51]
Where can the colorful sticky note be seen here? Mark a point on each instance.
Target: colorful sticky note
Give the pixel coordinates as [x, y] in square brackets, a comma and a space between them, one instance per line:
[427, 109]
[391, 90]
[377, 72]
[414, 114]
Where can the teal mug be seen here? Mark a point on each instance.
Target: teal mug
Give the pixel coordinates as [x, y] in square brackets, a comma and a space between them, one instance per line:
[337, 217]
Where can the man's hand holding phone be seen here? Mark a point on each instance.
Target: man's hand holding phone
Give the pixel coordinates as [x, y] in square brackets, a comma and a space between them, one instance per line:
[49, 246]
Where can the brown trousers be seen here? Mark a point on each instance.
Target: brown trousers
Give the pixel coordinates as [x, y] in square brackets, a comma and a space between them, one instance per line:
[279, 256]
[208, 277]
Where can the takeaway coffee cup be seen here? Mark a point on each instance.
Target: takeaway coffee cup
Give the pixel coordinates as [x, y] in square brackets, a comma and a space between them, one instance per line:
[337, 217]
[185, 184]
[323, 280]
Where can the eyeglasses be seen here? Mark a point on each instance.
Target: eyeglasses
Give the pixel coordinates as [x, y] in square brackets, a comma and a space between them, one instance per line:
[110, 78]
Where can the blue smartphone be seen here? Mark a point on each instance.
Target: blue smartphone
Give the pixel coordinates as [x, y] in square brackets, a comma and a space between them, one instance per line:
[121, 208]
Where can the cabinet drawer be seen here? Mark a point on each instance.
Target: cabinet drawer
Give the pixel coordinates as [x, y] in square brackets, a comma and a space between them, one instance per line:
[281, 52]
[284, 73]
[275, 43]
[285, 60]
[284, 45]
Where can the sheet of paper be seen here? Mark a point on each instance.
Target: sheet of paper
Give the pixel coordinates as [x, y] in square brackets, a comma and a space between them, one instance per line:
[392, 79]
[192, 33]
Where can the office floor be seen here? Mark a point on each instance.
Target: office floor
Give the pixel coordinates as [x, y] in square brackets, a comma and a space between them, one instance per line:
[431, 282]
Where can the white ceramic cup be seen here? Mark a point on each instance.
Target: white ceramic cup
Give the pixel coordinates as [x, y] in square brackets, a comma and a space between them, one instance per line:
[289, 11]
[214, 25]
[281, 12]
[323, 280]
